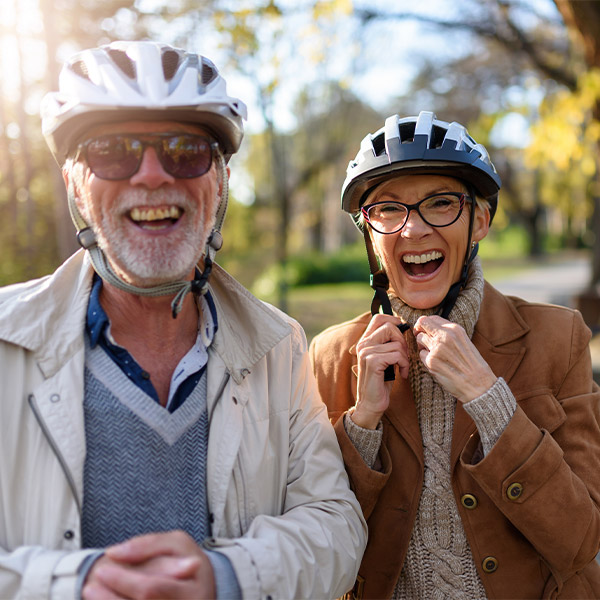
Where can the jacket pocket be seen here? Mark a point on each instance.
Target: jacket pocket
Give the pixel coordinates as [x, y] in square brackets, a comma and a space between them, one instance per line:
[543, 409]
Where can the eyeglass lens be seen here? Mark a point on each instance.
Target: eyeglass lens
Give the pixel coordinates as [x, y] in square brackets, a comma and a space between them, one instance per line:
[117, 156]
[439, 210]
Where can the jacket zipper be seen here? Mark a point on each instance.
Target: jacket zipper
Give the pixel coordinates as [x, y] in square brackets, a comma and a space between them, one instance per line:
[63, 463]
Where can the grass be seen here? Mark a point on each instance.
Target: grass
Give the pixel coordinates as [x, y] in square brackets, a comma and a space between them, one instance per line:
[319, 306]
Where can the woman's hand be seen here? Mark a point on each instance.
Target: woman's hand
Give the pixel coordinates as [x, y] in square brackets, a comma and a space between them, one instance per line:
[381, 345]
[452, 359]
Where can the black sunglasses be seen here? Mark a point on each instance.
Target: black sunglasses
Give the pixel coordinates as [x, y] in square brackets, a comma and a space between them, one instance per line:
[119, 156]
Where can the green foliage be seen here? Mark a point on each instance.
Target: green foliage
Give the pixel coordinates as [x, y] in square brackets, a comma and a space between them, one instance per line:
[507, 243]
[347, 265]
[566, 135]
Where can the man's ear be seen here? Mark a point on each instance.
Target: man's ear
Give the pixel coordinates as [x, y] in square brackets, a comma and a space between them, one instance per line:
[220, 190]
[66, 176]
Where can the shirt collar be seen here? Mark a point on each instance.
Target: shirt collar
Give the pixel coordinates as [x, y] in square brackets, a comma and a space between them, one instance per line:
[97, 320]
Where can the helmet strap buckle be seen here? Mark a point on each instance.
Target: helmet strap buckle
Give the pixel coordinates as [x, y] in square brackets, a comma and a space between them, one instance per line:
[86, 238]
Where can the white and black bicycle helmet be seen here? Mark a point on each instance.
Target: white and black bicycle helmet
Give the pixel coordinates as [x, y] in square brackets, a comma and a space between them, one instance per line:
[419, 145]
[143, 81]
[126, 81]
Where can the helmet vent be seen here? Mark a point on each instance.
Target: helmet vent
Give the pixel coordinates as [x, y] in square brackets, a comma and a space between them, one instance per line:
[170, 62]
[123, 61]
[208, 74]
[407, 132]
[379, 145]
[438, 137]
[80, 68]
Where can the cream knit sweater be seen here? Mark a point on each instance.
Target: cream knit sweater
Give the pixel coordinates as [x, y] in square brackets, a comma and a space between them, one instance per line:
[439, 563]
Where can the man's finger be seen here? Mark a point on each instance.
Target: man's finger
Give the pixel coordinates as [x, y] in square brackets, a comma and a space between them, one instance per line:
[98, 591]
[145, 547]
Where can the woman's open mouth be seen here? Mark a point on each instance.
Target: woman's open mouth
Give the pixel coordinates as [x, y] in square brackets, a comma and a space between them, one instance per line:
[419, 265]
[155, 218]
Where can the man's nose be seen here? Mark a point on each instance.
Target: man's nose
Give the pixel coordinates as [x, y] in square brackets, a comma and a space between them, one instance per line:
[151, 173]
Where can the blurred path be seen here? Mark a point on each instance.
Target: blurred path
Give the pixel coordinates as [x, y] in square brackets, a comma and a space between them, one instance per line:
[555, 281]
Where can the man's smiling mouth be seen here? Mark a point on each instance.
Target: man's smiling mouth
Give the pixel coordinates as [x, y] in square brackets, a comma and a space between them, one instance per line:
[155, 218]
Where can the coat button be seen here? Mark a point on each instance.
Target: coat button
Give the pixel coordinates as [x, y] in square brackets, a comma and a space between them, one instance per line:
[68, 534]
[490, 564]
[54, 398]
[469, 501]
[514, 491]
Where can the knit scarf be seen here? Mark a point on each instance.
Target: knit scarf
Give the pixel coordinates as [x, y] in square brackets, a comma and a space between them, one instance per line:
[439, 563]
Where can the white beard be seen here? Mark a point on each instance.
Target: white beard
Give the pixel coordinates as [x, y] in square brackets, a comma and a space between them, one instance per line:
[148, 261]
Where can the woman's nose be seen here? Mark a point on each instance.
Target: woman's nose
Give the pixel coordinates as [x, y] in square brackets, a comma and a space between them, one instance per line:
[415, 226]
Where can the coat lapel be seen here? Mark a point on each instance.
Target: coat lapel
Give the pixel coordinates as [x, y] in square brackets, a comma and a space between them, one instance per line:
[402, 414]
[497, 334]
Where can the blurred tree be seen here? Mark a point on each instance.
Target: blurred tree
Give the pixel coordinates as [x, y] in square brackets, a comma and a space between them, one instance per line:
[39, 235]
[260, 42]
[583, 16]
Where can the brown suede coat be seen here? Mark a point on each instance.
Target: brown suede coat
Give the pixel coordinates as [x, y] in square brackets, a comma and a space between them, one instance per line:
[541, 544]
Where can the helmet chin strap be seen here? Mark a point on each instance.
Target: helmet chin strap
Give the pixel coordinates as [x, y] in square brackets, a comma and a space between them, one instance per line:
[197, 286]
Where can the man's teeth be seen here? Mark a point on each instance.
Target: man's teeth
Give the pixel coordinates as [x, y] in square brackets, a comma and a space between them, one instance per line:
[155, 214]
[422, 258]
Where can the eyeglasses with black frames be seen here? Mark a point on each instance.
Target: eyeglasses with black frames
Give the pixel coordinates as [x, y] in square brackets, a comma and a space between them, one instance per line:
[437, 210]
[119, 156]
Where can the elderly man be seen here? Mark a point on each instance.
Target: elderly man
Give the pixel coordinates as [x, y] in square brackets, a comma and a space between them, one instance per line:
[162, 435]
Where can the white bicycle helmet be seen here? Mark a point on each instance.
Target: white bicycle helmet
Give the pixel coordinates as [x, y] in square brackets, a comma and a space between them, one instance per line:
[419, 145]
[139, 80]
[127, 81]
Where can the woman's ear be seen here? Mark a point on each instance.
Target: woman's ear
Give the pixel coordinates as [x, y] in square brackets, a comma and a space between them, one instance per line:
[481, 223]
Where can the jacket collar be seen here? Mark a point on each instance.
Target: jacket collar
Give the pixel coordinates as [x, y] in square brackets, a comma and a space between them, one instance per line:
[497, 334]
[248, 328]
[47, 317]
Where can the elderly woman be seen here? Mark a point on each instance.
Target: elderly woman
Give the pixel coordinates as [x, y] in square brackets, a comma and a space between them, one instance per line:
[469, 421]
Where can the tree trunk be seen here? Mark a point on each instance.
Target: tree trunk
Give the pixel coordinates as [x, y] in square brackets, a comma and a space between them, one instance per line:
[66, 241]
[281, 193]
[584, 16]
[7, 168]
[26, 201]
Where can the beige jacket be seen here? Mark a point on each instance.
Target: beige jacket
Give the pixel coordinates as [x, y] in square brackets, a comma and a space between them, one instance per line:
[283, 511]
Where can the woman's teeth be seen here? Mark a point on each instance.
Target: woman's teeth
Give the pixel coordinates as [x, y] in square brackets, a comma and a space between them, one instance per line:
[422, 258]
